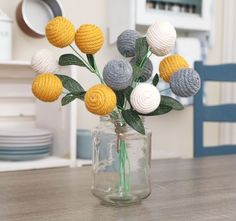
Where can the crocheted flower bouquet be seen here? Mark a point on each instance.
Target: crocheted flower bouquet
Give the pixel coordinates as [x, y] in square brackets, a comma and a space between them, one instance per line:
[123, 92]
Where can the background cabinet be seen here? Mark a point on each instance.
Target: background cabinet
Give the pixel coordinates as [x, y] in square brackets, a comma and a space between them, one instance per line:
[128, 14]
[19, 108]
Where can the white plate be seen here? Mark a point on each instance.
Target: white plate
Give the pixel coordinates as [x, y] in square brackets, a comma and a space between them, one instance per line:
[23, 152]
[24, 141]
[24, 132]
[25, 148]
[25, 145]
[24, 157]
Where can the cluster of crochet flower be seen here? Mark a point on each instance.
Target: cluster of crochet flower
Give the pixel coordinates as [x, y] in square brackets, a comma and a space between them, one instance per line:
[118, 75]
[60, 32]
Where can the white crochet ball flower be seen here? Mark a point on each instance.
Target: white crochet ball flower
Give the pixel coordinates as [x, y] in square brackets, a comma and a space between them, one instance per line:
[43, 61]
[161, 38]
[145, 98]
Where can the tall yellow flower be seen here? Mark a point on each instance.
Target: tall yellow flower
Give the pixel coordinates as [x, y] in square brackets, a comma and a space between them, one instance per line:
[89, 38]
[100, 100]
[47, 87]
[60, 32]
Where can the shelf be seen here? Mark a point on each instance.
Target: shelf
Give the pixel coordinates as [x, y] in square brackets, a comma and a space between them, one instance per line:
[16, 69]
[15, 63]
[49, 162]
[20, 108]
[137, 14]
[83, 162]
[181, 21]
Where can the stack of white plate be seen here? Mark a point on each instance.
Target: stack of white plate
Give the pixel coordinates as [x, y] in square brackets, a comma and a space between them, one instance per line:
[20, 144]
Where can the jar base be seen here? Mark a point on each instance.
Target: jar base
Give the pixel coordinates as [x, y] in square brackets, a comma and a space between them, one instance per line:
[119, 200]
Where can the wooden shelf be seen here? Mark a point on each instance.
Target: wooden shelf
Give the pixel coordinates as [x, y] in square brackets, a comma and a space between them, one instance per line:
[181, 21]
[83, 162]
[15, 63]
[48, 162]
[16, 69]
[136, 14]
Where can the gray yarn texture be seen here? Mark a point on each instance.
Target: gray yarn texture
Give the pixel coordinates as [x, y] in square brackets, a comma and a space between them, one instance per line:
[117, 74]
[126, 42]
[147, 70]
[185, 82]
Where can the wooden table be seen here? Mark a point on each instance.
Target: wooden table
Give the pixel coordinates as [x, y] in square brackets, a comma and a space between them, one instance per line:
[182, 190]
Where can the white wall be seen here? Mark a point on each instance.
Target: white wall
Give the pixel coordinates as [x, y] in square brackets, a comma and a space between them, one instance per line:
[172, 133]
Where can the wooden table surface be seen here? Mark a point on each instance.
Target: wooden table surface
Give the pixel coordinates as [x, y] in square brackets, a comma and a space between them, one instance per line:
[182, 190]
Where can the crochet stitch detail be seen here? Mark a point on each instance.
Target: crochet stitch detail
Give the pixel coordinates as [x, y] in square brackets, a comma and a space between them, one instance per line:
[100, 100]
[47, 87]
[89, 38]
[60, 32]
[170, 65]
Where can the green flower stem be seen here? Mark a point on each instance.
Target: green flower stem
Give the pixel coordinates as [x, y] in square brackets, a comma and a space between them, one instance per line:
[98, 72]
[124, 162]
[119, 107]
[91, 69]
[85, 62]
[120, 168]
[150, 54]
[125, 103]
[100, 78]
[127, 158]
[141, 65]
[114, 115]
[143, 62]
[123, 166]
[124, 174]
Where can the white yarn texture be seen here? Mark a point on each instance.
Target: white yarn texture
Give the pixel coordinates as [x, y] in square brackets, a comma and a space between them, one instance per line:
[161, 37]
[43, 61]
[145, 98]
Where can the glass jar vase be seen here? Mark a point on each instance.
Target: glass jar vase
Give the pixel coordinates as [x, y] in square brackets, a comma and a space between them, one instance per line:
[121, 163]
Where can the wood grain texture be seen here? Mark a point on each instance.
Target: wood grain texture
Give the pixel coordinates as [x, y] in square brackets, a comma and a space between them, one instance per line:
[202, 189]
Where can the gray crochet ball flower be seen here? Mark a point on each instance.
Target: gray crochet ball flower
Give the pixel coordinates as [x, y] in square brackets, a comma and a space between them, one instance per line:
[126, 42]
[147, 70]
[117, 74]
[185, 82]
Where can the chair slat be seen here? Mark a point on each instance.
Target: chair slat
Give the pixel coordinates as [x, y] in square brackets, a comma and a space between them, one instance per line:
[216, 150]
[220, 113]
[224, 72]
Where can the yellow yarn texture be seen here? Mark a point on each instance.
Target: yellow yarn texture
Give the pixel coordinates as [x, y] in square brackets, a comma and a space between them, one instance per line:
[47, 87]
[100, 99]
[60, 32]
[170, 65]
[89, 38]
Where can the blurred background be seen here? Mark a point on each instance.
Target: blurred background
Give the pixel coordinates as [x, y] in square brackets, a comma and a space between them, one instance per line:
[205, 29]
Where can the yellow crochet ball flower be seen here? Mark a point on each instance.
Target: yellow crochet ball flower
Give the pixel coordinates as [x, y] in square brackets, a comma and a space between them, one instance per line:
[60, 32]
[100, 99]
[170, 65]
[89, 38]
[47, 87]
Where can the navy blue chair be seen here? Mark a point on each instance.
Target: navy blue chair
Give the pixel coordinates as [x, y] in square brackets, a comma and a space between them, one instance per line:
[217, 113]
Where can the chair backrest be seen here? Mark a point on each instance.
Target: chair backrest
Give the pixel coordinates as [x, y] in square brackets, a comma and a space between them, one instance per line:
[216, 113]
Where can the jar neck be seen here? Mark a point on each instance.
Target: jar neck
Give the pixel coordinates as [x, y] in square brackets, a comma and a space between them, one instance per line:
[105, 118]
[118, 122]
